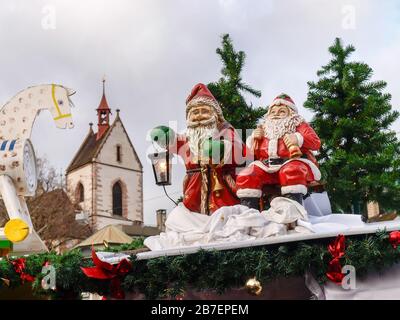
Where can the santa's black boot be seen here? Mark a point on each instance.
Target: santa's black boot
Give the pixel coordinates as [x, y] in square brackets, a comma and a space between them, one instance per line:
[252, 203]
[295, 196]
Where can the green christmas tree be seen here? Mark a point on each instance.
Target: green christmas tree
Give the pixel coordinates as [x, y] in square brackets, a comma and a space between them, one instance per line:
[359, 156]
[229, 89]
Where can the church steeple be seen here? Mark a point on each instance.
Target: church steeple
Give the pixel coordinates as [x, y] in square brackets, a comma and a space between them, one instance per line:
[103, 114]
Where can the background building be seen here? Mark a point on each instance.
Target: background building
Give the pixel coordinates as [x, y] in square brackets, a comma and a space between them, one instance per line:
[105, 177]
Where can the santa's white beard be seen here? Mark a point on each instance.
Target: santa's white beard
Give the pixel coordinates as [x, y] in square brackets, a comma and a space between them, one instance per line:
[198, 132]
[277, 128]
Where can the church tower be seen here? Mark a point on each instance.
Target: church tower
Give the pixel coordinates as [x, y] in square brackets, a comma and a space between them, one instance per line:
[103, 115]
[105, 177]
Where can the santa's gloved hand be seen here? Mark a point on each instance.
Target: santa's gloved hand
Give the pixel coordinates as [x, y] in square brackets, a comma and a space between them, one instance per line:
[161, 135]
[214, 150]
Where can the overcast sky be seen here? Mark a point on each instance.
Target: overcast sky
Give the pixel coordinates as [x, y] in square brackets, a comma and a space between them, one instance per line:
[153, 52]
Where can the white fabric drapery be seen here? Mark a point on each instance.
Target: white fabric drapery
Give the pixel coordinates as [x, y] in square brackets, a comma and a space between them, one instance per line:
[229, 224]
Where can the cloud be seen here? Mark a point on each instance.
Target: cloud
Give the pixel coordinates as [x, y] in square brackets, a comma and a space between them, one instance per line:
[152, 53]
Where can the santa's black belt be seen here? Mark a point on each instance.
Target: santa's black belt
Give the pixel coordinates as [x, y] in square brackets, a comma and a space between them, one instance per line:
[278, 161]
[274, 162]
[189, 171]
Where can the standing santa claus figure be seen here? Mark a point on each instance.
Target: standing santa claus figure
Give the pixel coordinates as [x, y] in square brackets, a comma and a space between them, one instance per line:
[282, 148]
[210, 149]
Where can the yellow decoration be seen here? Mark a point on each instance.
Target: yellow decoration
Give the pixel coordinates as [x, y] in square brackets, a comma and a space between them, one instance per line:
[16, 230]
[218, 187]
[253, 286]
[53, 95]
[294, 150]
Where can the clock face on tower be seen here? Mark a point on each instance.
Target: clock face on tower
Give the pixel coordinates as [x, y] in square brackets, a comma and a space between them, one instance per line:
[29, 162]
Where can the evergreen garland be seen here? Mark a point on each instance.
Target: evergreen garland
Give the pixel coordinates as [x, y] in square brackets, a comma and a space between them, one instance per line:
[135, 244]
[210, 270]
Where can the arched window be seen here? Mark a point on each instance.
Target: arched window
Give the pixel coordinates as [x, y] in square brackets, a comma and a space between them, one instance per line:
[119, 153]
[117, 199]
[80, 193]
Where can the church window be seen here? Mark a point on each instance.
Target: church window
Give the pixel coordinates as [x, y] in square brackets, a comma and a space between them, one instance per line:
[119, 153]
[80, 192]
[117, 198]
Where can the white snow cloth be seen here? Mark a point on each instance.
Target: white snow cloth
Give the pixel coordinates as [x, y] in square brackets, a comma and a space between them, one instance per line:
[112, 257]
[229, 224]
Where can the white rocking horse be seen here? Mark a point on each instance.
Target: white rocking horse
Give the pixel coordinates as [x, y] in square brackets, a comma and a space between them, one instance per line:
[18, 176]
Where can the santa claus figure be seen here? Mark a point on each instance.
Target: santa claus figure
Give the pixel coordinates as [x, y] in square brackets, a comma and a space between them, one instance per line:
[282, 148]
[210, 148]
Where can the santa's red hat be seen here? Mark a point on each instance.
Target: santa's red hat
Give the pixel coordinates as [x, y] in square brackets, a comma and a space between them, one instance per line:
[284, 99]
[200, 95]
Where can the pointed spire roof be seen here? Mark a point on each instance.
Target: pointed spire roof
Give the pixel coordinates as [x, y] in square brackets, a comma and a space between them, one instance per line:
[91, 147]
[103, 102]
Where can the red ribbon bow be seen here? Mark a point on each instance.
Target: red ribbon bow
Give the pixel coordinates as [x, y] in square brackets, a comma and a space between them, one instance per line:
[107, 271]
[394, 238]
[336, 249]
[19, 267]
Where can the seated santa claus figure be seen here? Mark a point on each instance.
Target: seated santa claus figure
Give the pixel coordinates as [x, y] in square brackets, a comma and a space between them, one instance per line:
[282, 148]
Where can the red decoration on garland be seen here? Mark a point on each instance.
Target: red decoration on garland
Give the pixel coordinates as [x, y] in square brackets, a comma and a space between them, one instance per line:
[335, 271]
[19, 267]
[106, 271]
[394, 239]
[336, 249]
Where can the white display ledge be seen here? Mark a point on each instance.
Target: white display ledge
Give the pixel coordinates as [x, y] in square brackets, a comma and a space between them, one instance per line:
[354, 230]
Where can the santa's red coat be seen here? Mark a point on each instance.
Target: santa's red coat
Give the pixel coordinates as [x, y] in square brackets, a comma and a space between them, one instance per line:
[294, 174]
[226, 173]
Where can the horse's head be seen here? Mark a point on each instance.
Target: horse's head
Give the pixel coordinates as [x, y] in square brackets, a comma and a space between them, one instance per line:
[61, 106]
